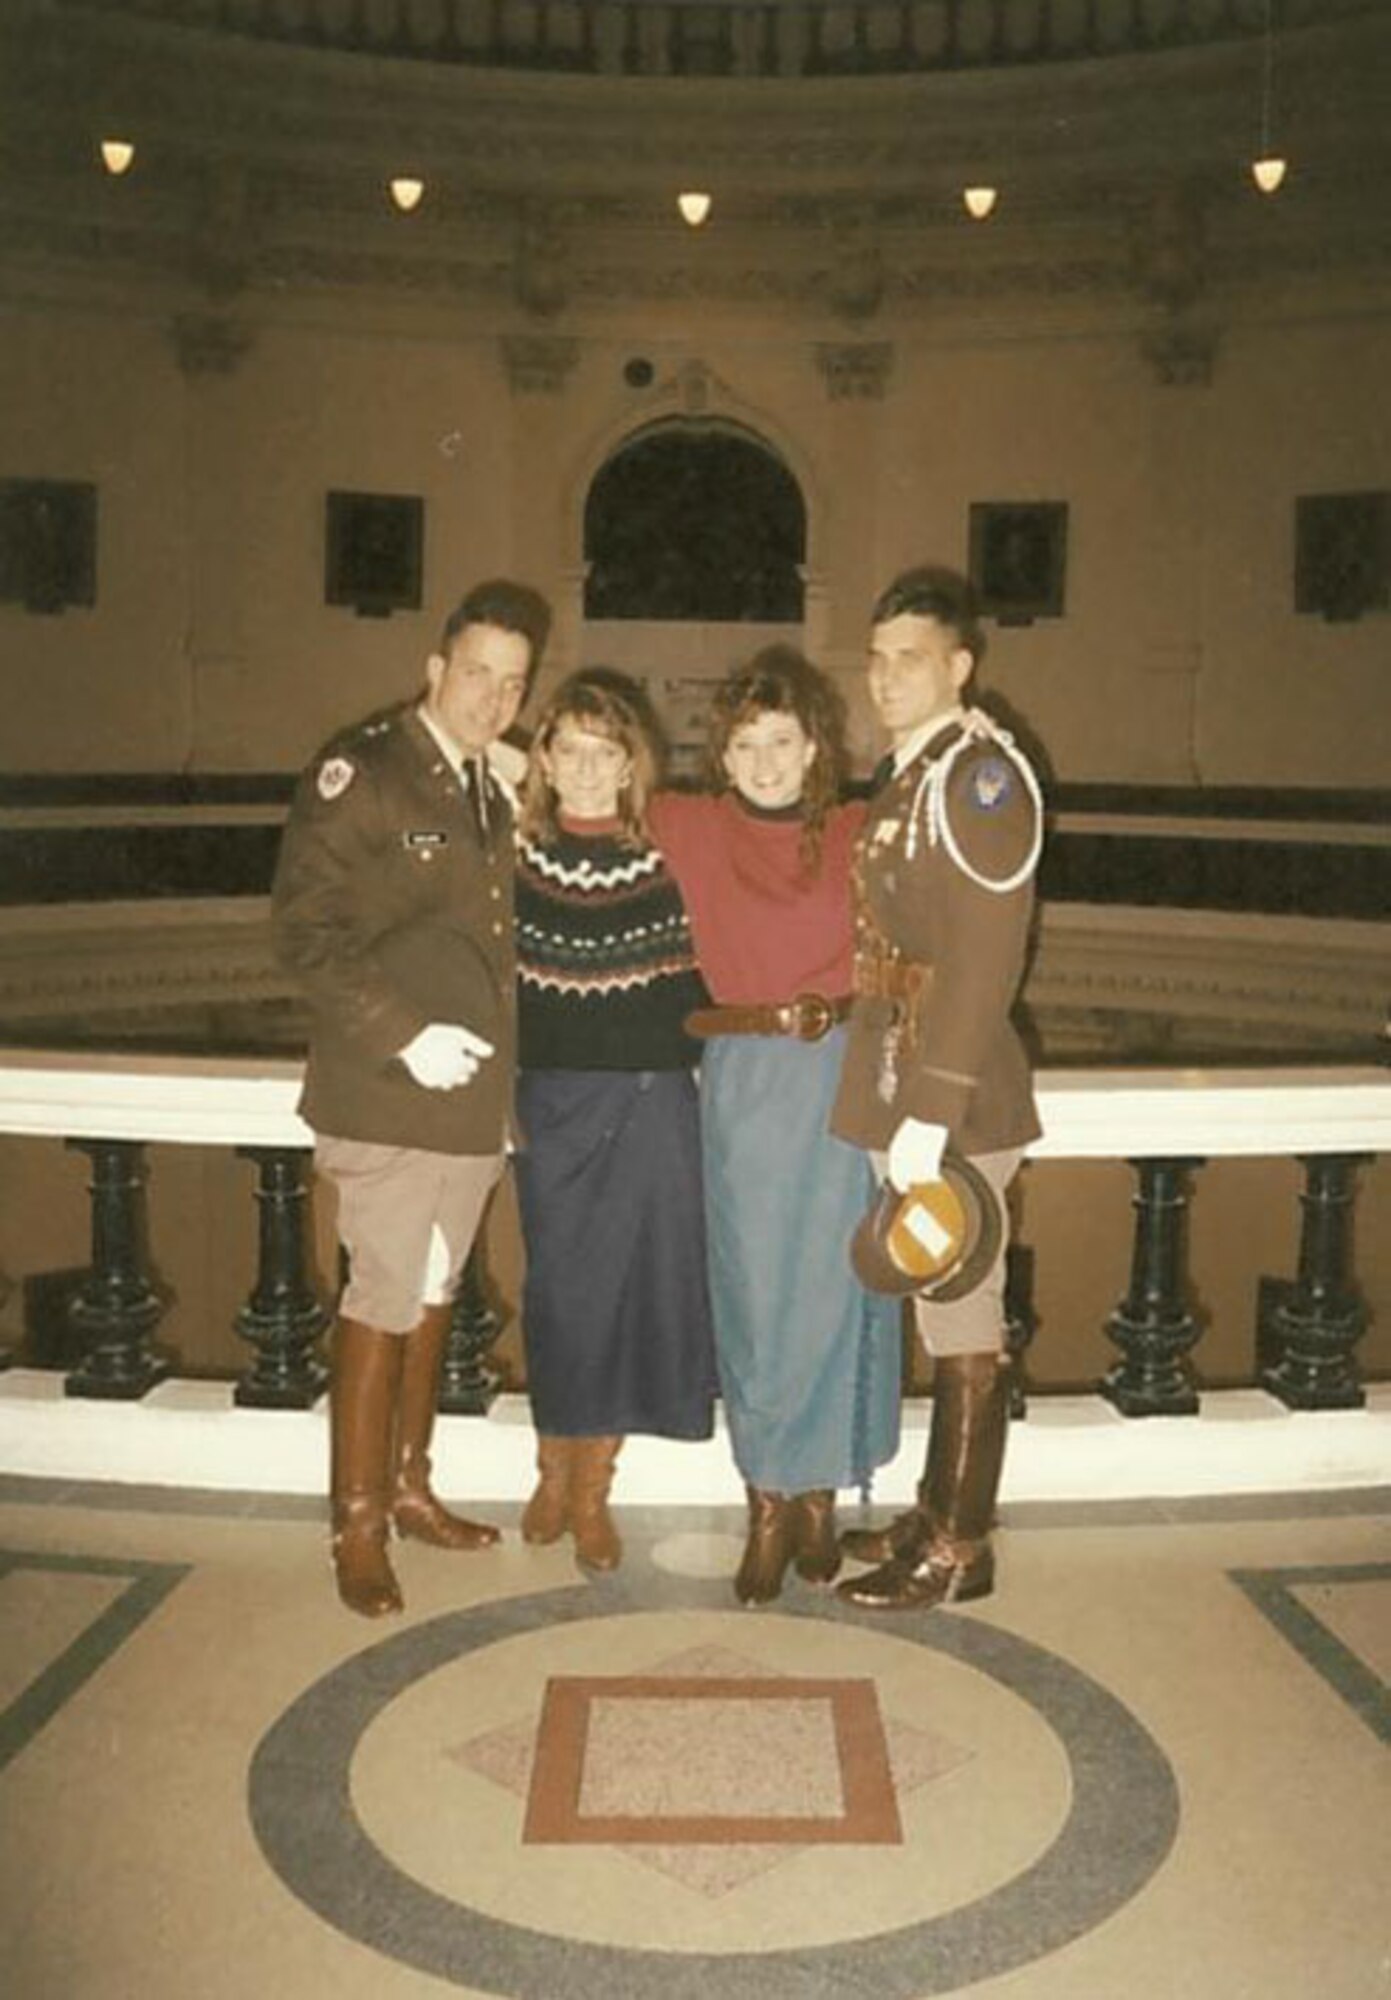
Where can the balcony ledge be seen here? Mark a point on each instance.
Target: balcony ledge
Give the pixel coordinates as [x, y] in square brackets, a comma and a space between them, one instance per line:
[188, 1435]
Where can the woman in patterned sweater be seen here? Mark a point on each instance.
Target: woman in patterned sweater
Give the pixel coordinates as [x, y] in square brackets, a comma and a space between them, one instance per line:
[615, 1313]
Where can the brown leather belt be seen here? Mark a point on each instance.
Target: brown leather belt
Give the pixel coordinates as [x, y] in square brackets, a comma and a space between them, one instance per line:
[879, 977]
[808, 1017]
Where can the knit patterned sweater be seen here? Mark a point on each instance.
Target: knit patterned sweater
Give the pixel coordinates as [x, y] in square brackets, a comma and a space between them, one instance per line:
[605, 966]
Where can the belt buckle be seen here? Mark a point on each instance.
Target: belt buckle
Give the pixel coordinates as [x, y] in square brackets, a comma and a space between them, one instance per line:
[812, 1017]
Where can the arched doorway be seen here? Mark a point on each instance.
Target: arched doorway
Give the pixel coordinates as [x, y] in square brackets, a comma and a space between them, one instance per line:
[695, 544]
[696, 521]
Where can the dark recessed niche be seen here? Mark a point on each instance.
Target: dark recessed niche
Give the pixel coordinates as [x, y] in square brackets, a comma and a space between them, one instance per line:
[373, 552]
[638, 372]
[1342, 554]
[48, 543]
[695, 520]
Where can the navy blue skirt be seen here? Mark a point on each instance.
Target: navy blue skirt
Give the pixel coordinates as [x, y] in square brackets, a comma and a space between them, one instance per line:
[615, 1309]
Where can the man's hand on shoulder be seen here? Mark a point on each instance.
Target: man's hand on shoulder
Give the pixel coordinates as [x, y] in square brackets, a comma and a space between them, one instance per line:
[444, 1056]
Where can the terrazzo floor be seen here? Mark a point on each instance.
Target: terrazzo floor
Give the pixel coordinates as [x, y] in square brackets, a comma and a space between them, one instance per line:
[1154, 1763]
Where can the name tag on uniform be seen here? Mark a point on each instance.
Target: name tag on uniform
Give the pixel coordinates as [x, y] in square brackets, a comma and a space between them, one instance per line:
[428, 840]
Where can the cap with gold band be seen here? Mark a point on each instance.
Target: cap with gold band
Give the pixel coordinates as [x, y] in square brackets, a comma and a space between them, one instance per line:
[938, 1240]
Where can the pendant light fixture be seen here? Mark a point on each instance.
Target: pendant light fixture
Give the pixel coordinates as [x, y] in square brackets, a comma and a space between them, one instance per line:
[1269, 168]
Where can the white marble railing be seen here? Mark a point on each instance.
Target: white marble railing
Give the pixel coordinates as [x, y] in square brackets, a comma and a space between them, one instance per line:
[1086, 1113]
[117, 1417]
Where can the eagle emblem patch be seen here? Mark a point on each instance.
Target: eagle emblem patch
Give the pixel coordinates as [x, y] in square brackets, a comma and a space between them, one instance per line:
[991, 784]
[335, 776]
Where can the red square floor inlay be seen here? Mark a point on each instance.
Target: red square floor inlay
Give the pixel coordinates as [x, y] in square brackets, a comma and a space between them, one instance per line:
[826, 1778]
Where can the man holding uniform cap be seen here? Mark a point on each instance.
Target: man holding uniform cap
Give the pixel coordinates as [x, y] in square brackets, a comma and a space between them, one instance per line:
[944, 895]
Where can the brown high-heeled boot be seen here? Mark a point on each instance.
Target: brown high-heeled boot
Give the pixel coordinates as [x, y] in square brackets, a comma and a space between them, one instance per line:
[547, 1513]
[597, 1543]
[966, 1450]
[818, 1552]
[416, 1512]
[771, 1541]
[365, 1370]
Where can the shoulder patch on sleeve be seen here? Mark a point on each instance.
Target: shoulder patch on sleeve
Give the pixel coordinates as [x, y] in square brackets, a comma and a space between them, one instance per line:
[991, 784]
[334, 777]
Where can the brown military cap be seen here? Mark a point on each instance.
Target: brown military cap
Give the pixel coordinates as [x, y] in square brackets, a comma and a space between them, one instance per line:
[938, 1240]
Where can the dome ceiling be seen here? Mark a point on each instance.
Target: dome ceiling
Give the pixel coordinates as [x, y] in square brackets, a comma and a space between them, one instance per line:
[266, 131]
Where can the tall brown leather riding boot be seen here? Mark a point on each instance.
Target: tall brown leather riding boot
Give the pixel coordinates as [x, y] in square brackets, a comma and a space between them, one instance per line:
[767, 1552]
[416, 1512]
[966, 1450]
[547, 1512]
[592, 1460]
[365, 1372]
[818, 1552]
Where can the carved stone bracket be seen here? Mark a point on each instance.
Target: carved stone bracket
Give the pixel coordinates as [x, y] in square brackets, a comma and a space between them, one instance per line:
[1182, 355]
[855, 369]
[209, 343]
[692, 386]
[538, 364]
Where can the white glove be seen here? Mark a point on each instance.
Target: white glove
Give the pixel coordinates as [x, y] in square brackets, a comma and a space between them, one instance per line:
[443, 1056]
[915, 1154]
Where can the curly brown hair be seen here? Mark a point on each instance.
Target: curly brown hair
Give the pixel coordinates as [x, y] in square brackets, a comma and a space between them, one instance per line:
[604, 703]
[779, 680]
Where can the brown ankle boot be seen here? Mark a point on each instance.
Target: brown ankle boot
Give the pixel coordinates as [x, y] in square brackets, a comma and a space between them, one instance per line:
[365, 1372]
[416, 1512]
[547, 1513]
[597, 1543]
[818, 1552]
[768, 1550]
[966, 1449]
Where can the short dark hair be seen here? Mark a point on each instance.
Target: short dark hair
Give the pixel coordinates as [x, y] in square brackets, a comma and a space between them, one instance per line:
[513, 607]
[929, 591]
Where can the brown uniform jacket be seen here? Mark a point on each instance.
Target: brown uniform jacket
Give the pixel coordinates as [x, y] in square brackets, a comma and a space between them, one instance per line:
[951, 1056]
[392, 910]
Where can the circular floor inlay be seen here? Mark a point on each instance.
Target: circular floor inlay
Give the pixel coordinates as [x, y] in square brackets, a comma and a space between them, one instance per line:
[1121, 1822]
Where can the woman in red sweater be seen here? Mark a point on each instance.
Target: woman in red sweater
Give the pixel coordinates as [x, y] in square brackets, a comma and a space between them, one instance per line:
[809, 1362]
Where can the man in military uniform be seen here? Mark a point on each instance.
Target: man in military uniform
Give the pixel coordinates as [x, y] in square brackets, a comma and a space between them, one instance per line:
[392, 905]
[944, 896]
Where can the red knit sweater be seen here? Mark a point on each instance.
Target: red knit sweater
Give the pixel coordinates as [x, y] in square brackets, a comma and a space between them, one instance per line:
[764, 929]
